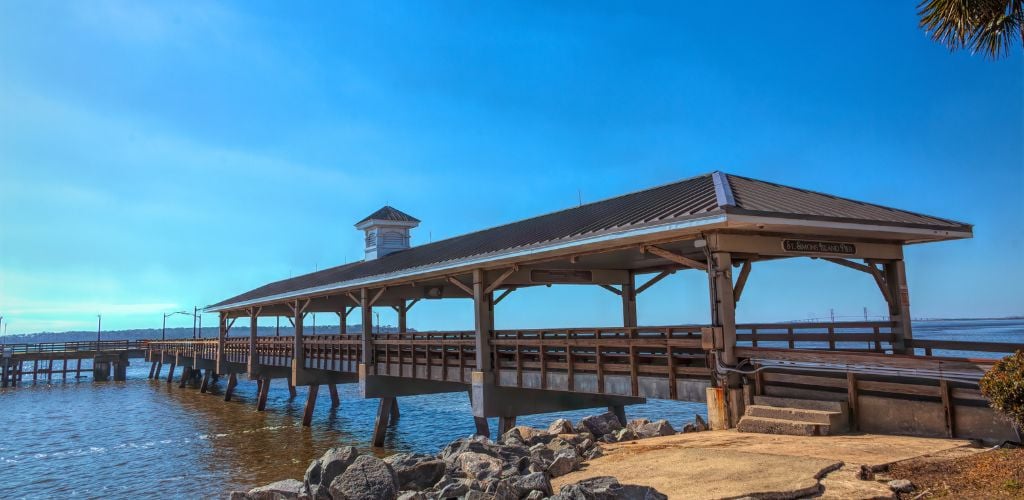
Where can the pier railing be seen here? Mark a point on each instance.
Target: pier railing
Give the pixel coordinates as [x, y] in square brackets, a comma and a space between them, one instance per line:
[662, 351]
[83, 346]
[863, 336]
[431, 355]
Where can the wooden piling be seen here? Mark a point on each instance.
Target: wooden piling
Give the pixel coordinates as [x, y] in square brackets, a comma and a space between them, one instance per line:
[291, 390]
[482, 429]
[394, 411]
[230, 389]
[620, 413]
[206, 381]
[261, 400]
[505, 424]
[35, 370]
[335, 400]
[159, 368]
[383, 419]
[152, 370]
[170, 374]
[186, 373]
[307, 413]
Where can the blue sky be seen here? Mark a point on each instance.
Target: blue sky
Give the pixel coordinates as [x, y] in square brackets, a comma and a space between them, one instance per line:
[156, 156]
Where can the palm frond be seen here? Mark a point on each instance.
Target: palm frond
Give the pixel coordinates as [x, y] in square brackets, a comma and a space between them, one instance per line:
[991, 27]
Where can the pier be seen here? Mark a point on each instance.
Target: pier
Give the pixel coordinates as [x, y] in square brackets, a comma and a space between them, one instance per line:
[44, 361]
[874, 373]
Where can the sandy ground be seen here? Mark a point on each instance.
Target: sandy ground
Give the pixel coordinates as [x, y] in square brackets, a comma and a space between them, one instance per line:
[728, 464]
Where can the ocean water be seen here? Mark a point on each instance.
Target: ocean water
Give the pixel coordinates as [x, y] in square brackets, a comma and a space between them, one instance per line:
[153, 439]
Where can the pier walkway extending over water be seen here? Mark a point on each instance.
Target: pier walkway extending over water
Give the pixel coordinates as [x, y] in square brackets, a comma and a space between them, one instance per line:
[722, 226]
[107, 356]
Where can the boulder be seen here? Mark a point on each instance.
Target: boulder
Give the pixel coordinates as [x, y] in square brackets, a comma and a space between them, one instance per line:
[689, 428]
[411, 495]
[367, 478]
[561, 426]
[636, 423]
[901, 486]
[654, 429]
[526, 435]
[329, 466]
[415, 471]
[535, 495]
[565, 461]
[479, 466]
[606, 488]
[699, 423]
[504, 490]
[599, 425]
[593, 453]
[623, 435]
[454, 489]
[559, 444]
[286, 489]
[238, 495]
[537, 481]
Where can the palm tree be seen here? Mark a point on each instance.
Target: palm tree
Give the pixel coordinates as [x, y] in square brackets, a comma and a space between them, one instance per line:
[991, 27]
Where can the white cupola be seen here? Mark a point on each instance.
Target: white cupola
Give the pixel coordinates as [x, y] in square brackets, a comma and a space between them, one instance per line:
[387, 231]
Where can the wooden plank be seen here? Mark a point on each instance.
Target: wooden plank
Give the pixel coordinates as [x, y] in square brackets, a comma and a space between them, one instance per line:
[741, 281]
[803, 379]
[948, 408]
[896, 388]
[674, 257]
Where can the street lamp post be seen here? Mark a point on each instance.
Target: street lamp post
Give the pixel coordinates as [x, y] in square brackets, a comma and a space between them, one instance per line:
[378, 322]
[99, 328]
[163, 330]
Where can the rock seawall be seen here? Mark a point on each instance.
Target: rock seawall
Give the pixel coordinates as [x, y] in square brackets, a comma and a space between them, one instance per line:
[519, 466]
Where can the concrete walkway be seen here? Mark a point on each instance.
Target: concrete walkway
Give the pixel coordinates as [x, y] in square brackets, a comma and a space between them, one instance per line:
[729, 464]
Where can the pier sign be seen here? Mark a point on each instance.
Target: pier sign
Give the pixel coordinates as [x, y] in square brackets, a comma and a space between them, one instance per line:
[808, 246]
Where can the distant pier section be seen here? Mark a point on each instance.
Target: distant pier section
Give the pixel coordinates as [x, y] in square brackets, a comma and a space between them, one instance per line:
[47, 360]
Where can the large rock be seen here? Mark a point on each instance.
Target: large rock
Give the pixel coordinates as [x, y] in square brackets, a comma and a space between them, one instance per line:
[286, 489]
[654, 429]
[565, 461]
[479, 466]
[599, 425]
[636, 423]
[415, 471]
[606, 488]
[561, 426]
[537, 481]
[525, 435]
[324, 469]
[368, 478]
[699, 424]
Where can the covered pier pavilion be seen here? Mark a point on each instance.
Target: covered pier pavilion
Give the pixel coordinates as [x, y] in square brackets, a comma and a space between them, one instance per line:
[719, 225]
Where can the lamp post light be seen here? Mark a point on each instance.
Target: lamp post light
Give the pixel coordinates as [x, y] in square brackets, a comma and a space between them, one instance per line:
[99, 328]
[163, 330]
[378, 321]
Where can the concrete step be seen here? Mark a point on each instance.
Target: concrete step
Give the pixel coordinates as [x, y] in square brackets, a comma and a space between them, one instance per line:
[766, 425]
[803, 404]
[830, 418]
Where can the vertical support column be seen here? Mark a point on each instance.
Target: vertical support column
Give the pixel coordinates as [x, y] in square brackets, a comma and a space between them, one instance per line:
[723, 315]
[4, 371]
[170, 373]
[383, 420]
[222, 333]
[298, 350]
[899, 308]
[206, 381]
[367, 313]
[402, 309]
[253, 361]
[307, 413]
[629, 301]
[156, 375]
[262, 391]
[230, 389]
[186, 374]
[505, 424]
[620, 413]
[483, 308]
[335, 400]
[152, 369]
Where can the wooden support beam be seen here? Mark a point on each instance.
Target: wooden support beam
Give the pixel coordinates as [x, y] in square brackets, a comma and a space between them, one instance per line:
[501, 279]
[741, 281]
[262, 390]
[367, 338]
[660, 276]
[505, 424]
[380, 425]
[395, 414]
[482, 429]
[483, 320]
[674, 257]
[948, 407]
[291, 391]
[850, 264]
[186, 373]
[880, 281]
[610, 288]
[852, 395]
[462, 286]
[628, 294]
[206, 381]
[230, 389]
[170, 374]
[620, 413]
[307, 412]
[354, 298]
[377, 296]
[335, 400]
[504, 294]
